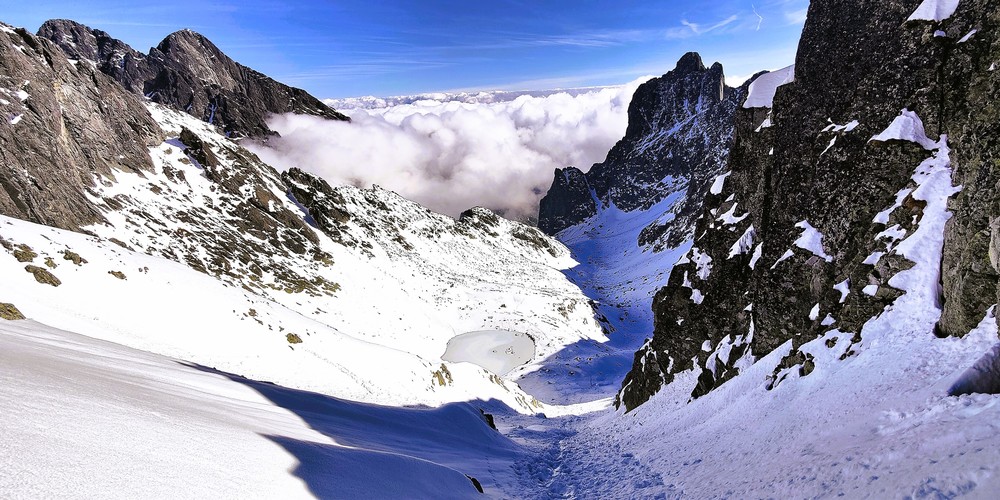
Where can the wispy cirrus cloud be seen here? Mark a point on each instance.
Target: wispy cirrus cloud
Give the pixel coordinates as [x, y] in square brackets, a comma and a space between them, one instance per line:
[689, 29]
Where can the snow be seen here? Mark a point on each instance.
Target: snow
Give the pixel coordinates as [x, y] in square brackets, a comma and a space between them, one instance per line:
[892, 233]
[875, 424]
[498, 351]
[91, 419]
[968, 36]
[438, 286]
[703, 262]
[873, 259]
[743, 244]
[906, 127]
[621, 277]
[222, 326]
[871, 420]
[757, 252]
[883, 216]
[785, 256]
[729, 218]
[828, 146]
[719, 183]
[762, 89]
[934, 10]
[811, 240]
[870, 290]
[15, 119]
[844, 287]
[847, 127]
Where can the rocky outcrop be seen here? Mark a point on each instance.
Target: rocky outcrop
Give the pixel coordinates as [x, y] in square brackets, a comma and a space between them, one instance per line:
[969, 84]
[568, 202]
[801, 238]
[678, 138]
[188, 72]
[60, 125]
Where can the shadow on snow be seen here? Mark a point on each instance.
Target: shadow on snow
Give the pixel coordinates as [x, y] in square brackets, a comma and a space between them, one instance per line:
[391, 452]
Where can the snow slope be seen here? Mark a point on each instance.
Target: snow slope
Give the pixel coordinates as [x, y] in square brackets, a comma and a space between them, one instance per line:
[85, 418]
[374, 308]
[871, 420]
[622, 276]
[167, 308]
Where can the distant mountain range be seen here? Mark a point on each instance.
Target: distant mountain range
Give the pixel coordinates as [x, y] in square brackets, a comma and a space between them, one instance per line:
[470, 97]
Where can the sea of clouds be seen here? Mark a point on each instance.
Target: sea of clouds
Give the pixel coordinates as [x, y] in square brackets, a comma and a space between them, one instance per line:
[450, 154]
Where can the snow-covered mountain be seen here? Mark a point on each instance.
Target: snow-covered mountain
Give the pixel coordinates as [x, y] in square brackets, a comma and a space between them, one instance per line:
[374, 285]
[814, 254]
[851, 196]
[629, 218]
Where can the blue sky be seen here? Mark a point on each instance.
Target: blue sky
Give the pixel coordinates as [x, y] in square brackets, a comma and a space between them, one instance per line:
[393, 47]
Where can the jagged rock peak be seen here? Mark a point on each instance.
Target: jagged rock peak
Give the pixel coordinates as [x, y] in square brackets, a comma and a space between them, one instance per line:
[188, 72]
[690, 62]
[190, 41]
[680, 126]
[110, 55]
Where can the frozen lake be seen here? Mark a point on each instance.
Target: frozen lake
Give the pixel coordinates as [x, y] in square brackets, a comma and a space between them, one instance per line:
[499, 351]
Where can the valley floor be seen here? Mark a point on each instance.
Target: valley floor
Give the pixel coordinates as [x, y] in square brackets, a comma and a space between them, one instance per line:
[88, 418]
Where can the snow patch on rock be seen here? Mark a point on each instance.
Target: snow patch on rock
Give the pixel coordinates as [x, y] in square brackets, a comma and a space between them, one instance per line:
[762, 89]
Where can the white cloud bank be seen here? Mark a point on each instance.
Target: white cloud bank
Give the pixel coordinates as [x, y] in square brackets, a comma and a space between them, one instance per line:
[451, 156]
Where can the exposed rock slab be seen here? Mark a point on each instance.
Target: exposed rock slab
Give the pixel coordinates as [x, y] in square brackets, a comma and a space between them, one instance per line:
[61, 123]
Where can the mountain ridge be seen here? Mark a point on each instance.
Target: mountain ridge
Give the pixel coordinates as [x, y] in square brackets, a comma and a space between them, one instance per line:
[188, 72]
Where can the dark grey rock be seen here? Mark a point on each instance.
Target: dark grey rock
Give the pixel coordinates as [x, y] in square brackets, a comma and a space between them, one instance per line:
[188, 72]
[568, 202]
[855, 62]
[967, 92]
[72, 123]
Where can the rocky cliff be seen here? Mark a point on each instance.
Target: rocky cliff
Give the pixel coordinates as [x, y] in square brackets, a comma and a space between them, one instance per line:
[61, 125]
[678, 137]
[188, 72]
[830, 178]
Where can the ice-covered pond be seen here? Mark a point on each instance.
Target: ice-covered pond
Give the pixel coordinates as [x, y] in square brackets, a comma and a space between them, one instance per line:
[499, 351]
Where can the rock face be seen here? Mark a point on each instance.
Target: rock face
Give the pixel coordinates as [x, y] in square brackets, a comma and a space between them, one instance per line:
[60, 124]
[188, 72]
[969, 85]
[802, 237]
[111, 56]
[678, 138]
